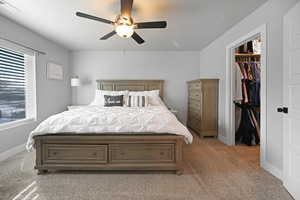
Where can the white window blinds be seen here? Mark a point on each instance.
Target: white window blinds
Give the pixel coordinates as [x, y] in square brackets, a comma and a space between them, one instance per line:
[12, 85]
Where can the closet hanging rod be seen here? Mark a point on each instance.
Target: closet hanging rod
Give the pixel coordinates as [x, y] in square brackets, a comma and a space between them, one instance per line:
[27, 47]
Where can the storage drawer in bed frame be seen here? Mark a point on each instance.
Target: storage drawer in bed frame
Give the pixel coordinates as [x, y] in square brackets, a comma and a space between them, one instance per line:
[70, 153]
[108, 152]
[141, 153]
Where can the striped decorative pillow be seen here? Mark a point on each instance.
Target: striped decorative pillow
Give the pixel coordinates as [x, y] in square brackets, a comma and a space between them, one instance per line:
[137, 101]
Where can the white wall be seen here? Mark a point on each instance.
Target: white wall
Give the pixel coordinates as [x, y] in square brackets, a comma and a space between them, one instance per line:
[213, 63]
[52, 96]
[174, 67]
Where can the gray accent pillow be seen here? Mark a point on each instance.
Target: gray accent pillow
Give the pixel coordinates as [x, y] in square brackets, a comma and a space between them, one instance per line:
[110, 101]
[137, 101]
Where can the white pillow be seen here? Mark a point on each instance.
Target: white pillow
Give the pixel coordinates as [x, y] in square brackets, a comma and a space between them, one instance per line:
[147, 93]
[99, 96]
[154, 99]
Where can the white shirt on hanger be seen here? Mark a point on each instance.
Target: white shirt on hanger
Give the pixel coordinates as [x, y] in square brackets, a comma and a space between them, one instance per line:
[238, 85]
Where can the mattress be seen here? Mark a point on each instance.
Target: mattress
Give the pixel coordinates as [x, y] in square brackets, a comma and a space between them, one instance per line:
[112, 120]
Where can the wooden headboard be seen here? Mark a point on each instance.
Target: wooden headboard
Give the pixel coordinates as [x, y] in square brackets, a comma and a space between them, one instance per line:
[131, 85]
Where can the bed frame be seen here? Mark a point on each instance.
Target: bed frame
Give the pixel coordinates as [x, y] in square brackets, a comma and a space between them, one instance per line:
[126, 151]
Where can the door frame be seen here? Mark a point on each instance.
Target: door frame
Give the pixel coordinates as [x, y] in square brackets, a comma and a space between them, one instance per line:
[230, 84]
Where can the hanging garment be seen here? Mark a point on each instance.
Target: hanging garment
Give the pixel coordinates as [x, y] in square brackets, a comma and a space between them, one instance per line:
[244, 67]
[241, 67]
[253, 137]
[249, 71]
[256, 94]
[238, 117]
[238, 85]
[249, 89]
[256, 112]
[251, 85]
[256, 70]
[255, 121]
[253, 70]
[245, 91]
[252, 91]
[246, 131]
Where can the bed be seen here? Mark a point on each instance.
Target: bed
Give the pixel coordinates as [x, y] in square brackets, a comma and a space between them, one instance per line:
[105, 150]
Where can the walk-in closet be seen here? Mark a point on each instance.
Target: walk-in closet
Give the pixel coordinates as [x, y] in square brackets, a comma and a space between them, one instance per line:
[247, 99]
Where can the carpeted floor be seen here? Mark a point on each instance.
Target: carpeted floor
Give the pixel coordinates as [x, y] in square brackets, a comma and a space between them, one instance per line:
[213, 171]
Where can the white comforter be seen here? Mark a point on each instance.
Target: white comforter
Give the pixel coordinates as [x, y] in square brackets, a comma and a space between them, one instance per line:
[99, 120]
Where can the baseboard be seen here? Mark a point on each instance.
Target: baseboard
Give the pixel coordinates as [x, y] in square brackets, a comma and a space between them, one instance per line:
[11, 152]
[272, 169]
[222, 138]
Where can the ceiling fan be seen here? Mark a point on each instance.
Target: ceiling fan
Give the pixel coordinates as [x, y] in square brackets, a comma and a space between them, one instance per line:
[124, 24]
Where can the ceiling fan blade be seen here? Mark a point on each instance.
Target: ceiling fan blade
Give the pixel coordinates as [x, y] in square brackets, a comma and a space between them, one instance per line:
[126, 7]
[105, 37]
[80, 14]
[145, 25]
[137, 38]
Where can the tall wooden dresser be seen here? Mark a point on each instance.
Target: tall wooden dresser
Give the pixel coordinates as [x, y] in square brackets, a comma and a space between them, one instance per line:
[203, 106]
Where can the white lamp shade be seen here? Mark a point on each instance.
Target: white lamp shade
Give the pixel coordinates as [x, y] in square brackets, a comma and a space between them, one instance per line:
[75, 82]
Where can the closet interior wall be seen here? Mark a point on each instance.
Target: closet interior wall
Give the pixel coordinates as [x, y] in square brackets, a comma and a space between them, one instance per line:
[247, 92]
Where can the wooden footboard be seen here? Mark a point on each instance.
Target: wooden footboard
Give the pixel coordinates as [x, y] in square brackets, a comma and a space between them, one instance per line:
[108, 152]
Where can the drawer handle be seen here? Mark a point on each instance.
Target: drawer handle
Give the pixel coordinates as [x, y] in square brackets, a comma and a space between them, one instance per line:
[162, 153]
[55, 153]
[94, 154]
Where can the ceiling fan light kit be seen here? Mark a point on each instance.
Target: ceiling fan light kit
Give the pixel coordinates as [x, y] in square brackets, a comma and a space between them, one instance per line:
[124, 31]
[124, 25]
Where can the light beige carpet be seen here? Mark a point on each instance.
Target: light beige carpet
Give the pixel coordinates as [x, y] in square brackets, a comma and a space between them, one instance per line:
[212, 171]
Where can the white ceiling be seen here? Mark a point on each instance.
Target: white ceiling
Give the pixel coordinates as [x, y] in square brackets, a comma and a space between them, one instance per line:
[192, 24]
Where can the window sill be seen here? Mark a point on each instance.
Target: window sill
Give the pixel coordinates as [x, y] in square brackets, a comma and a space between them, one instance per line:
[15, 124]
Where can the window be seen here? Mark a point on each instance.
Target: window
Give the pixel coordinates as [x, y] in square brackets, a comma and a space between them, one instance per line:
[17, 84]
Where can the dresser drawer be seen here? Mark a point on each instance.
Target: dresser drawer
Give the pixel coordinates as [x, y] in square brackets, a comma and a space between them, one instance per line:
[69, 153]
[141, 153]
[195, 85]
[195, 103]
[195, 96]
[194, 91]
[192, 108]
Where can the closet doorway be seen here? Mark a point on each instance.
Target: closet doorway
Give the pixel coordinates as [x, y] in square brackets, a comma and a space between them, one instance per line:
[246, 91]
